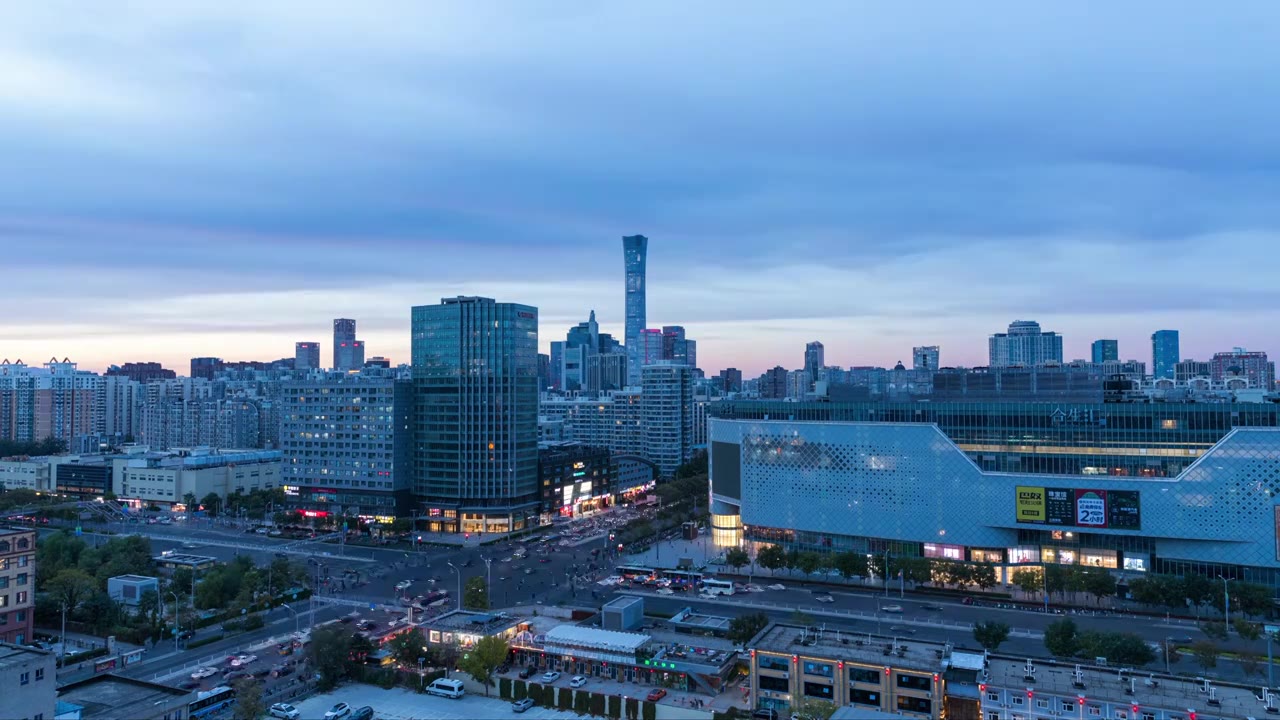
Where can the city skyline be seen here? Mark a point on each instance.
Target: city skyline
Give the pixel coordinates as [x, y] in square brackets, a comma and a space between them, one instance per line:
[187, 192]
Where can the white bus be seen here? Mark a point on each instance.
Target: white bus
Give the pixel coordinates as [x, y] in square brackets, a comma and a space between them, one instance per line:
[711, 586]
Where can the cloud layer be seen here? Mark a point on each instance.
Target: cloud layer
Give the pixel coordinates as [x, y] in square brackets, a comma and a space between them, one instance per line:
[223, 178]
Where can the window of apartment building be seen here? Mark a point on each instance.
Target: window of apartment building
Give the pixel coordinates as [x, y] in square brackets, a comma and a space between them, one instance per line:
[4, 582]
[993, 696]
[864, 675]
[24, 561]
[4, 618]
[864, 697]
[818, 690]
[22, 597]
[24, 678]
[915, 682]
[907, 703]
[813, 668]
[1095, 711]
[776, 684]
[1042, 703]
[39, 673]
[1068, 706]
[4, 601]
[993, 715]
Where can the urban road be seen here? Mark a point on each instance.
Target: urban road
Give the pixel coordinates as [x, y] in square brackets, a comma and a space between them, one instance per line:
[563, 575]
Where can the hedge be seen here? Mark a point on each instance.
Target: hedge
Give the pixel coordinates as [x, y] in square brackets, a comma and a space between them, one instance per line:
[535, 693]
[521, 690]
[566, 699]
[86, 655]
[615, 706]
[633, 708]
[504, 688]
[597, 704]
[204, 641]
[650, 710]
[581, 701]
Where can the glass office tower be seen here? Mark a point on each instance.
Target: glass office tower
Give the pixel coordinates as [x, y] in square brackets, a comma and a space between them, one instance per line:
[475, 378]
[1164, 353]
[635, 249]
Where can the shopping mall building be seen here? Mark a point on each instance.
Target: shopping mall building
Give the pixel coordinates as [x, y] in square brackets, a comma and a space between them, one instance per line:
[1160, 487]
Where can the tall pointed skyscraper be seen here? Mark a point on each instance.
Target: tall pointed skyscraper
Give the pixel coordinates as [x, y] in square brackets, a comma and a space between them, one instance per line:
[635, 249]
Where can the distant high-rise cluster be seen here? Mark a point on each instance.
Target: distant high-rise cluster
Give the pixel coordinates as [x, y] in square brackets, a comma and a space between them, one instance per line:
[1024, 344]
[925, 358]
[348, 352]
[306, 355]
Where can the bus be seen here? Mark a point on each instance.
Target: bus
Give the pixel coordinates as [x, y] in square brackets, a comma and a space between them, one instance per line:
[711, 586]
[211, 701]
[633, 572]
[687, 578]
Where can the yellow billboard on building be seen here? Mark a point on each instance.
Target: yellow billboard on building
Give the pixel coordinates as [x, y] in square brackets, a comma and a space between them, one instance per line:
[1030, 504]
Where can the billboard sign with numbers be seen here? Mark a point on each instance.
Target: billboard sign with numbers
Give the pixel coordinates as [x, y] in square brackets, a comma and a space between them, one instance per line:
[1085, 508]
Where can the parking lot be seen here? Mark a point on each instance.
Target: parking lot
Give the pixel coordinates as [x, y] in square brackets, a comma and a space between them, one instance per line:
[401, 704]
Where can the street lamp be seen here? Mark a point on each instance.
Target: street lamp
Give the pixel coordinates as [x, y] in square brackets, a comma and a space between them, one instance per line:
[295, 615]
[1166, 654]
[177, 624]
[886, 573]
[1226, 605]
[488, 581]
[455, 569]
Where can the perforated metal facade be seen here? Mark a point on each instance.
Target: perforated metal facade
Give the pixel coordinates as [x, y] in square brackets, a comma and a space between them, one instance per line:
[850, 483]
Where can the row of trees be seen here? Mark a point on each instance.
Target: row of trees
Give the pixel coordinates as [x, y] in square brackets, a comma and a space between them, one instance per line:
[1063, 579]
[1198, 591]
[481, 661]
[47, 446]
[917, 571]
[256, 503]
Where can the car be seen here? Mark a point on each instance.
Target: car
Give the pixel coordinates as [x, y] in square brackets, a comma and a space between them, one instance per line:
[528, 571]
[825, 598]
[932, 607]
[285, 711]
[364, 713]
[186, 634]
[550, 676]
[204, 672]
[191, 685]
[891, 608]
[527, 672]
[656, 694]
[282, 670]
[340, 710]
[666, 591]
[544, 559]
[520, 706]
[577, 681]
[236, 675]
[1183, 639]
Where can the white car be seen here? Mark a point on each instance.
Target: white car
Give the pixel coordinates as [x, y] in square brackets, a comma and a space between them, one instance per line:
[666, 591]
[202, 673]
[577, 681]
[891, 608]
[242, 660]
[550, 677]
[285, 711]
[340, 710]
[777, 586]
[611, 580]
[824, 598]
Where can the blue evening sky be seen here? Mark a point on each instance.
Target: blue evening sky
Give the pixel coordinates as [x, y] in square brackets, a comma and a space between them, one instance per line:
[223, 178]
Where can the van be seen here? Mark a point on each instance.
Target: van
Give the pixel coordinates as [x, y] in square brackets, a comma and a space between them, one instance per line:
[445, 687]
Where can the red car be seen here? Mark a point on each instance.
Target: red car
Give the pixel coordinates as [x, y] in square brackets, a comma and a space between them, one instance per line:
[656, 695]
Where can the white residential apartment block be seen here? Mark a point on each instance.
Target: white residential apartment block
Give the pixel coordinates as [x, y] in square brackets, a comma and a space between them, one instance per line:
[614, 420]
[667, 407]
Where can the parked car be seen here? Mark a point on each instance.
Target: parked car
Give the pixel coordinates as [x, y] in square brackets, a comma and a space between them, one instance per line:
[527, 672]
[550, 676]
[656, 694]
[364, 713]
[284, 711]
[577, 681]
[520, 706]
[340, 710]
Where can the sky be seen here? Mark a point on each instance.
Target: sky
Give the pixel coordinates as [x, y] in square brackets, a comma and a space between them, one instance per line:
[224, 178]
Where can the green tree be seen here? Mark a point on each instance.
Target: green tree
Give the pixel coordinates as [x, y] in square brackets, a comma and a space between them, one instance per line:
[1061, 638]
[745, 627]
[407, 647]
[807, 563]
[475, 594]
[1216, 630]
[149, 607]
[772, 557]
[1118, 648]
[984, 576]
[1099, 584]
[1250, 664]
[1028, 580]
[189, 500]
[484, 658]
[249, 704]
[1247, 630]
[328, 654]
[71, 587]
[990, 634]
[736, 558]
[793, 559]
[1206, 654]
[1251, 598]
[1197, 589]
[850, 564]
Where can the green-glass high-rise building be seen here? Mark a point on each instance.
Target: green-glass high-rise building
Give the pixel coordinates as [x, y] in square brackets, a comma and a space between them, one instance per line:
[475, 383]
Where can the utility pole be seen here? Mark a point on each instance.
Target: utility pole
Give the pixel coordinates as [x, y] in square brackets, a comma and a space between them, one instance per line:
[455, 569]
[64, 633]
[177, 623]
[488, 582]
[1226, 605]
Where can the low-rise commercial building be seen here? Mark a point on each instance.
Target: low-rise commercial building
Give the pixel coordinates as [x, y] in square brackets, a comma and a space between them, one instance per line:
[791, 665]
[165, 478]
[128, 589]
[110, 697]
[26, 473]
[28, 682]
[17, 585]
[574, 478]
[463, 628]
